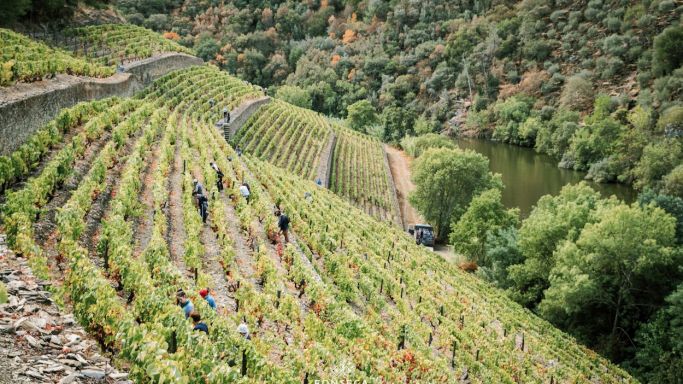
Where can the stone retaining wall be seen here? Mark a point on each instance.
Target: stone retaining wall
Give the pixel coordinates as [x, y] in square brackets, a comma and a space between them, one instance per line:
[26, 107]
[240, 116]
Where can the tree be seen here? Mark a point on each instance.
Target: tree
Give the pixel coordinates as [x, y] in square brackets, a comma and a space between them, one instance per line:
[668, 50]
[510, 115]
[398, 122]
[577, 94]
[446, 180]
[658, 159]
[207, 47]
[11, 10]
[295, 95]
[673, 182]
[554, 219]
[501, 252]
[361, 114]
[486, 213]
[614, 276]
[416, 146]
[671, 204]
[659, 358]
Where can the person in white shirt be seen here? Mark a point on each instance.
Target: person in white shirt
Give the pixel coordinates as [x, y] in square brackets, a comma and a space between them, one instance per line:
[244, 191]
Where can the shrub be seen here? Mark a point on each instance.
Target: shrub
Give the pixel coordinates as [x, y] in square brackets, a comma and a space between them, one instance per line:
[609, 67]
[136, 18]
[577, 93]
[668, 51]
[613, 24]
[415, 146]
[666, 6]
[615, 45]
[537, 50]
[673, 182]
[671, 120]
[295, 95]
[603, 171]
[3, 293]
[658, 159]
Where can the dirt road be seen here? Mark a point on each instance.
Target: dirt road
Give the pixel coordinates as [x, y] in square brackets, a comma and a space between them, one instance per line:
[399, 163]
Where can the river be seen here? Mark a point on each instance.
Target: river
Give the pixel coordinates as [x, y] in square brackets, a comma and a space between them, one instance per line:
[528, 175]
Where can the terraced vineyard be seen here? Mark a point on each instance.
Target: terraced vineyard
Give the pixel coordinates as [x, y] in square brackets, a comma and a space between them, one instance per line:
[111, 44]
[100, 203]
[287, 136]
[26, 60]
[360, 174]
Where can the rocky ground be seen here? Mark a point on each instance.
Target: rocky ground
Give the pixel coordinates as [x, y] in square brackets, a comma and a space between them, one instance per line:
[39, 343]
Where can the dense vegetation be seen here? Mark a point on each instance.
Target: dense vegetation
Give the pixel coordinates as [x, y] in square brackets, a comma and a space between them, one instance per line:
[594, 83]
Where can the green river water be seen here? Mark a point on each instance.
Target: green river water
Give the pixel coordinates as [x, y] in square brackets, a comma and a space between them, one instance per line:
[528, 175]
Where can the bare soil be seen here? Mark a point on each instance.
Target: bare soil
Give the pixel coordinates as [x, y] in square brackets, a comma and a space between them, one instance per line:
[399, 163]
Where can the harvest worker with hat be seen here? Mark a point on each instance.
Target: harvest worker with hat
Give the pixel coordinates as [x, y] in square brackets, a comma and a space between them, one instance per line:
[204, 293]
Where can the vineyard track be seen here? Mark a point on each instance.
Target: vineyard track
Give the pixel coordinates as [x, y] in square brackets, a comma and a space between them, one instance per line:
[176, 227]
[145, 221]
[399, 163]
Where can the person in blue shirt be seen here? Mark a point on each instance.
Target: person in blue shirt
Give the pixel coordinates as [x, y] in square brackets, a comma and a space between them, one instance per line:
[209, 299]
[199, 325]
[185, 303]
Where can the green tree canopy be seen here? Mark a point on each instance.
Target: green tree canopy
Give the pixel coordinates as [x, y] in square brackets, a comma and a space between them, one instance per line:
[416, 146]
[486, 213]
[621, 267]
[295, 95]
[554, 219]
[361, 114]
[446, 180]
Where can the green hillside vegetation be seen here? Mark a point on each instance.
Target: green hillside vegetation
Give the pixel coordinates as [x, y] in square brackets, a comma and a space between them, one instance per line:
[351, 292]
[596, 84]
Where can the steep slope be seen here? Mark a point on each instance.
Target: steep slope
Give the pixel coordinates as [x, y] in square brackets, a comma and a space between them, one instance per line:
[350, 298]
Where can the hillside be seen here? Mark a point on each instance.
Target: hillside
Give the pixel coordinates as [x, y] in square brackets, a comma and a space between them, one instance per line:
[528, 73]
[101, 205]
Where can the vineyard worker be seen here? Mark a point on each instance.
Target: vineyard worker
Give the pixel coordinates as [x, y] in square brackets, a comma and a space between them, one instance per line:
[202, 200]
[185, 303]
[219, 176]
[244, 190]
[243, 330]
[204, 293]
[239, 151]
[199, 325]
[283, 224]
[226, 115]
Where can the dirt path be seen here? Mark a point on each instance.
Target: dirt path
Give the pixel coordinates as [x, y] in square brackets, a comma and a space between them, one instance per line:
[145, 222]
[399, 163]
[176, 227]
